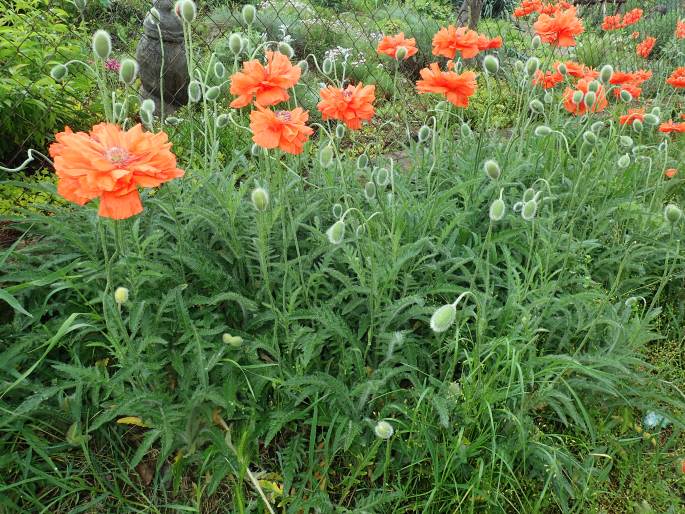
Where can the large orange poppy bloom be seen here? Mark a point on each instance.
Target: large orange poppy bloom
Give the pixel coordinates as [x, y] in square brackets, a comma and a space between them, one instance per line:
[457, 88]
[485, 43]
[612, 22]
[547, 80]
[286, 130]
[527, 7]
[450, 40]
[580, 71]
[266, 85]
[645, 48]
[630, 82]
[632, 17]
[633, 114]
[581, 108]
[351, 105]
[560, 28]
[672, 126]
[389, 45]
[677, 78]
[111, 164]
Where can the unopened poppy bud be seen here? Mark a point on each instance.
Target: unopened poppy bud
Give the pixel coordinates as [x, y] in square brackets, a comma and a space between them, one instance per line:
[577, 97]
[529, 209]
[212, 93]
[517, 207]
[672, 213]
[593, 86]
[80, 5]
[590, 99]
[492, 169]
[535, 42]
[145, 117]
[327, 66]
[102, 44]
[491, 64]
[148, 105]
[362, 161]
[518, 66]
[188, 11]
[623, 161]
[626, 141]
[663, 146]
[548, 98]
[656, 110]
[652, 120]
[532, 65]
[249, 13]
[337, 210]
[326, 156]
[286, 49]
[235, 44]
[590, 137]
[383, 430]
[219, 70]
[336, 233]
[401, 53]
[497, 208]
[172, 120]
[528, 195]
[442, 318]
[562, 69]
[260, 198]
[536, 106]
[230, 340]
[118, 110]
[606, 73]
[255, 150]
[542, 131]
[128, 71]
[155, 15]
[194, 91]
[465, 130]
[382, 177]
[222, 120]
[340, 131]
[121, 295]
[304, 66]
[637, 126]
[370, 191]
[626, 96]
[597, 127]
[424, 133]
[59, 71]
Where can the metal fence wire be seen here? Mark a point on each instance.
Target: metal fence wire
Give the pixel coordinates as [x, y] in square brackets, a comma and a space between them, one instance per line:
[36, 34]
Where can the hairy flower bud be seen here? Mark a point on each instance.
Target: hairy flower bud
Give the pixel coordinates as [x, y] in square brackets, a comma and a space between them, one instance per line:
[327, 66]
[148, 105]
[102, 44]
[492, 169]
[542, 131]
[623, 161]
[593, 86]
[535, 42]
[490, 64]
[128, 71]
[465, 130]
[172, 121]
[219, 70]
[562, 69]
[651, 119]
[548, 98]
[58, 72]
[235, 44]
[626, 96]
[577, 97]
[424, 133]
[326, 156]
[606, 73]
[519, 66]
[383, 430]
[637, 126]
[249, 13]
[443, 317]
[497, 208]
[536, 106]
[121, 295]
[118, 110]
[304, 66]
[626, 141]
[260, 198]
[362, 161]
[337, 210]
[401, 53]
[529, 209]
[382, 177]
[672, 213]
[212, 93]
[286, 49]
[532, 65]
[194, 91]
[590, 137]
[340, 131]
[145, 117]
[188, 11]
[230, 340]
[369, 191]
[597, 127]
[590, 99]
[222, 120]
[336, 233]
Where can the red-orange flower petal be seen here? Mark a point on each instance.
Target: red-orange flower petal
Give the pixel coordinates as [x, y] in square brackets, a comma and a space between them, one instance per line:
[449, 41]
[266, 85]
[672, 126]
[677, 78]
[580, 108]
[456, 88]
[352, 105]
[389, 45]
[645, 48]
[633, 114]
[560, 28]
[632, 17]
[286, 130]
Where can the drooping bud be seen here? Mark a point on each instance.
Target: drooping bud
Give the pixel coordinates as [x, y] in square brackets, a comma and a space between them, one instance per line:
[172, 120]
[219, 70]
[80, 5]
[626, 141]
[529, 209]
[155, 15]
[528, 195]
[672, 213]
[637, 126]
[249, 13]
[626, 96]
[623, 161]
[58, 72]
[465, 130]
[327, 66]
[656, 110]
[535, 42]
[145, 117]
[382, 177]
[326, 156]
[336, 233]
[188, 11]
[590, 137]
[606, 73]
[597, 127]
[362, 161]
[542, 131]
[286, 49]
[424, 133]
[442, 318]
[304, 66]
[337, 210]
[148, 105]
[492, 169]
[255, 150]
[590, 99]
[222, 120]
[102, 44]
[497, 208]
[536, 106]
[519, 66]
[121, 295]
[118, 110]
[370, 191]
[532, 65]
[383, 430]
[235, 44]
[340, 131]
[490, 64]
[548, 98]
[260, 199]
[212, 93]
[652, 120]
[194, 91]
[128, 71]
[401, 53]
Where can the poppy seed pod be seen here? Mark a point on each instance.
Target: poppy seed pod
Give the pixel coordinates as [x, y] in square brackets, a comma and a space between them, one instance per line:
[222, 120]
[219, 70]
[590, 137]
[626, 96]
[548, 98]
[304, 66]
[672, 213]
[212, 93]
[590, 99]
[623, 161]
[465, 131]
[194, 91]
[260, 198]
[326, 156]
[637, 126]
[369, 191]
[597, 127]
[528, 195]
[536, 106]
[443, 317]
[652, 120]
[577, 97]
[401, 53]
[337, 210]
[362, 161]
[235, 44]
[148, 105]
[383, 430]
[532, 65]
[606, 73]
[59, 71]
[249, 13]
[382, 177]
[424, 133]
[562, 69]
[491, 64]
[327, 66]
[497, 208]
[626, 141]
[340, 131]
[542, 131]
[286, 49]
[535, 42]
[128, 71]
[336, 233]
[188, 11]
[102, 44]
[234, 341]
[492, 169]
[121, 295]
[529, 209]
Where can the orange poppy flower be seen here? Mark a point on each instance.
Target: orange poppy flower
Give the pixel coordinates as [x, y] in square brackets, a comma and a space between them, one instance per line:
[633, 114]
[579, 71]
[457, 88]
[450, 40]
[677, 78]
[612, 22]
[670, 173]
[352, 105]
[630, 82]
[389, 45]
[266, 85]
[560, 28]
[672, 126]
[645, 48]
[527, 7]
[581, 108]
[111, 164]
[286, 130]
[680, 29]
[485, 43]
[547, 80]
[632, 17]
